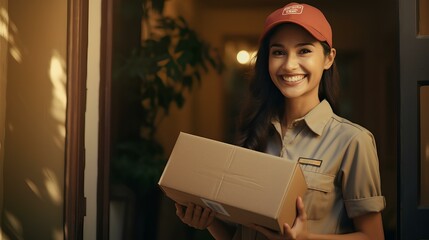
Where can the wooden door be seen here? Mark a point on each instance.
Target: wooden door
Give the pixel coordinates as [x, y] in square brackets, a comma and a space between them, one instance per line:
[413, 171]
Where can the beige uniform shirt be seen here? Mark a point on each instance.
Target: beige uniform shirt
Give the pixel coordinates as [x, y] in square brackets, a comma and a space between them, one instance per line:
[340, 165]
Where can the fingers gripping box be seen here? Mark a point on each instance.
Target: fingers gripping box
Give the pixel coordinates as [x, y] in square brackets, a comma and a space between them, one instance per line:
[241, 185]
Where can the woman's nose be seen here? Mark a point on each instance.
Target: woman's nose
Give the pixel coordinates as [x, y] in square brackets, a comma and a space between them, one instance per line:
[291, 62]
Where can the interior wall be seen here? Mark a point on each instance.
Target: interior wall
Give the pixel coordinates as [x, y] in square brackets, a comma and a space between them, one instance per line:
[36, 98]
[189, 118]
[3, 73]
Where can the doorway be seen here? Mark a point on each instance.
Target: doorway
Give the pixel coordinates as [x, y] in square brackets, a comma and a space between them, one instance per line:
[367, 58]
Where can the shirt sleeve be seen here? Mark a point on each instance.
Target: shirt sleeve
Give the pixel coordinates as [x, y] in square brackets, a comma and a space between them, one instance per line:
[360, 176]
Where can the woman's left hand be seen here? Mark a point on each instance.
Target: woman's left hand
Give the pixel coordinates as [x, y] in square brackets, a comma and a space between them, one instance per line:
[195, 216]
[298, 231]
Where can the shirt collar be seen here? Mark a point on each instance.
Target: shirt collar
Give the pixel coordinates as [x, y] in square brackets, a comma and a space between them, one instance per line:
[316, 119]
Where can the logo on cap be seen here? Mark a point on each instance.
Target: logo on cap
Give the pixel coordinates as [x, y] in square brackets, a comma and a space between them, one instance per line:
[294, 9]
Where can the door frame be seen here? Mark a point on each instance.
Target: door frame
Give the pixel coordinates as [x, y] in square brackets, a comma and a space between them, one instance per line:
[104, 136]
[77, 44]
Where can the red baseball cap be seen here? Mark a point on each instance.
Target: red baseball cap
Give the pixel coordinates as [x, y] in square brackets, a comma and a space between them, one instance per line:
[306, 16]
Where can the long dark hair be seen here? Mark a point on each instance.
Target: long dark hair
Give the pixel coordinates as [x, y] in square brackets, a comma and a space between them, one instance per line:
[265, 101]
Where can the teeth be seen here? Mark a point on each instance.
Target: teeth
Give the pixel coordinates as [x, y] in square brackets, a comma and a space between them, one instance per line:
[294, 78]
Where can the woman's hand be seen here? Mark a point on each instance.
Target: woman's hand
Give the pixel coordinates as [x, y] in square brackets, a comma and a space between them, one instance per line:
[195, 216]
[298, 231]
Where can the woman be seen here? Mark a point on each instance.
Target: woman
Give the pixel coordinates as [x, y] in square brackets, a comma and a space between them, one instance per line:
[290, 113]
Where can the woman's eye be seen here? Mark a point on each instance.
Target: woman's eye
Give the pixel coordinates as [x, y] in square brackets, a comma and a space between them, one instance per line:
[277, 52]
[304, 51]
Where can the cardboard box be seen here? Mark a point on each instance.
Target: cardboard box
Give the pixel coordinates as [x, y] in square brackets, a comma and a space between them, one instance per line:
[242, 185]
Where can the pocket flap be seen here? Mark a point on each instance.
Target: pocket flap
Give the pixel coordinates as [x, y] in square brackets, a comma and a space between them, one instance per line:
[319, 181]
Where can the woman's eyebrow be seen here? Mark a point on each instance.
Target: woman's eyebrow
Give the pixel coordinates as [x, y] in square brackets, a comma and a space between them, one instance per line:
[276, 45]
[297, 45]
[305, 44]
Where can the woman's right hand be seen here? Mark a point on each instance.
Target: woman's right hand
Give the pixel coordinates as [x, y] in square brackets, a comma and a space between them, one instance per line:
[195, 216]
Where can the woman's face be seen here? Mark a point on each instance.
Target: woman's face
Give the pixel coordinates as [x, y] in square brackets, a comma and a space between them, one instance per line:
[296, 62]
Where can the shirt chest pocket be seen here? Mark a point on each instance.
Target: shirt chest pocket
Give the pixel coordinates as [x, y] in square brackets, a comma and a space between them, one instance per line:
[320, 196]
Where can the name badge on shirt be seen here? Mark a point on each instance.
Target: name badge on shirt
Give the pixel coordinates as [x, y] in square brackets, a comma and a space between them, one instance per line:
[311, 162]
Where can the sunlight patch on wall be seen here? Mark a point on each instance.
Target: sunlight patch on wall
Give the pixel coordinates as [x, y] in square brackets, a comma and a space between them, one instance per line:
[52, 187]
[3, 235]
[4, 22]
[50, 190]
[7, 31]
[58, 77]
[14, 225]
[57, 234]
[33, 187]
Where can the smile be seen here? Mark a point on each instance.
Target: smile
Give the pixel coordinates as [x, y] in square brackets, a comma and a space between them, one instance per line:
[294, 78]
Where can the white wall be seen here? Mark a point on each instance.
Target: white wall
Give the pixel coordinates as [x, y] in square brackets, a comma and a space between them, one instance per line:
[91, 121]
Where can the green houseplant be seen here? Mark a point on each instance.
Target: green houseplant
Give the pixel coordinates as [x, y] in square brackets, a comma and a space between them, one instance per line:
[169, 61]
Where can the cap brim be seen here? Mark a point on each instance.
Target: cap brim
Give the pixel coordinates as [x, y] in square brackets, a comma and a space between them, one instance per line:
[316, 34]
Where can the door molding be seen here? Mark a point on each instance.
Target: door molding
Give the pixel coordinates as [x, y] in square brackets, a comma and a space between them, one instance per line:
[104, 136]
[75, 204]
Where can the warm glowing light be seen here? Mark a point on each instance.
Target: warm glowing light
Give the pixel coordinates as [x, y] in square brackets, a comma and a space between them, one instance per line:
[243, 57]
